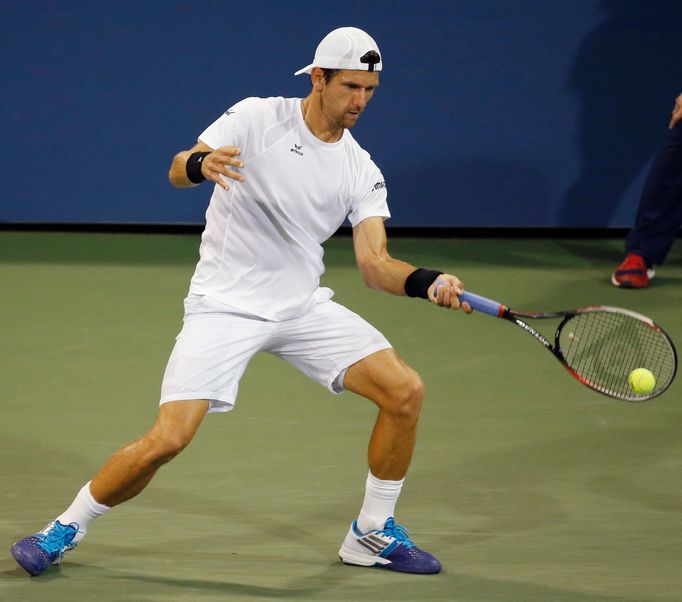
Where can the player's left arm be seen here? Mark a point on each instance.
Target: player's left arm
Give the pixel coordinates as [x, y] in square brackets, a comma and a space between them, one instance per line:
[382, 272]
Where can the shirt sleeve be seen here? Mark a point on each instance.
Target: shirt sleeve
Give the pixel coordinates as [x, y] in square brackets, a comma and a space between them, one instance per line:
[231, 128]
[370, 197]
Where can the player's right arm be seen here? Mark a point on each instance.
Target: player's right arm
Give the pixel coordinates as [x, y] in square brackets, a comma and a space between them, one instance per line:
[216, 166]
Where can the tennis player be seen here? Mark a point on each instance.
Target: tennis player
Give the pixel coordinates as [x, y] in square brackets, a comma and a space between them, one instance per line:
[287, 173]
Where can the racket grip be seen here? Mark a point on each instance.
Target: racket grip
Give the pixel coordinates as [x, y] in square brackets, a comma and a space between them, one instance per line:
[483, 304]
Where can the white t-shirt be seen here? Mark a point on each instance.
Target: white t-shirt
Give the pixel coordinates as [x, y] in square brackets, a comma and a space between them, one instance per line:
[261, 249]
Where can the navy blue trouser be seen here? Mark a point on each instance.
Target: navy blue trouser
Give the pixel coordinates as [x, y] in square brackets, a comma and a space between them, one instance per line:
[659, 215]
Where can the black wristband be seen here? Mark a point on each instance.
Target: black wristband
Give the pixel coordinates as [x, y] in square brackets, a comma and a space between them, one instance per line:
[418, 282]
[193, 167]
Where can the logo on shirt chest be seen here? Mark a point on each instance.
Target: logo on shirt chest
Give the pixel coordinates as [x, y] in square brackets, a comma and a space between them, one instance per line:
[297, 149]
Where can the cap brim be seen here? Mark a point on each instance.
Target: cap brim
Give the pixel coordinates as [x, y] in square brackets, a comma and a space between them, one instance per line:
[307, 69]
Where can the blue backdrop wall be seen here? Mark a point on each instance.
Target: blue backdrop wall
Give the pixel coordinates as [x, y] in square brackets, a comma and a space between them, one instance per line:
[490, 112]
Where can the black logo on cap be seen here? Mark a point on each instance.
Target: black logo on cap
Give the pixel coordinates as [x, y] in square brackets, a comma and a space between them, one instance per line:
[370, 58]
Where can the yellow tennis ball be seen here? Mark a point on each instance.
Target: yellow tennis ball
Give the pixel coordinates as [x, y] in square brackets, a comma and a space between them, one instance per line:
[642, 381]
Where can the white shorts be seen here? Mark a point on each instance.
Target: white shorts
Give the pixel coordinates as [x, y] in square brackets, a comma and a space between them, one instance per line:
[217, 342]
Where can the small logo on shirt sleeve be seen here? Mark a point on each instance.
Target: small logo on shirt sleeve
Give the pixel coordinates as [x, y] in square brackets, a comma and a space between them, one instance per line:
[379, 185]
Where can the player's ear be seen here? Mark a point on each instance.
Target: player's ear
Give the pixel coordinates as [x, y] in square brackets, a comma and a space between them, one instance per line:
[317, 79]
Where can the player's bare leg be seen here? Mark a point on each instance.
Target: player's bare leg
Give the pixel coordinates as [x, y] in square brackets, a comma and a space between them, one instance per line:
[398, 392]
[122, 477]
[375, 539]
[131, 468]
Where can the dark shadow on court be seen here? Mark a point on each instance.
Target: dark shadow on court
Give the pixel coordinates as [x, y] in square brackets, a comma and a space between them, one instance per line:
[626, 75]
[331, 585]
[222, 587]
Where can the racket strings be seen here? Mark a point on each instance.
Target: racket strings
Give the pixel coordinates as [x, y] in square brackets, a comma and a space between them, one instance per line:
[603, 347]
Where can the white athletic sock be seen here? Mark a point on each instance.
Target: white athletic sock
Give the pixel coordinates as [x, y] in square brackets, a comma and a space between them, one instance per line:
[83, 510]
[379, 503]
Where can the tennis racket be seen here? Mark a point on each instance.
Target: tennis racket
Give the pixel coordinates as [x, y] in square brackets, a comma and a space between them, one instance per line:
[599, 345]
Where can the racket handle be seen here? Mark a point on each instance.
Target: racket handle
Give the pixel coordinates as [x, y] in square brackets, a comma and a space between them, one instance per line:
[483, 304]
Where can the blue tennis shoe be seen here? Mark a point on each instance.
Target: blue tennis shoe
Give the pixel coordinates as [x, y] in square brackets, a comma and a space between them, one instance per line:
[386, 548]
[37, 552]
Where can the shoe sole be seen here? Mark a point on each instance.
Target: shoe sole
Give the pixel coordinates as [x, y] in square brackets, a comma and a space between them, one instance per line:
[626, 284]
[351, 557]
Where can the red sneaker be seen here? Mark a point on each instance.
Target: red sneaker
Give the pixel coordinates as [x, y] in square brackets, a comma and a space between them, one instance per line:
[632, 273]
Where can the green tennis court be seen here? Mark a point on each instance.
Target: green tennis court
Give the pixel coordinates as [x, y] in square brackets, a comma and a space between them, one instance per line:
[527, 486]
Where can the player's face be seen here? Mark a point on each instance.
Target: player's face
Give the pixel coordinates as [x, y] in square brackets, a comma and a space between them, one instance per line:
[345, 97]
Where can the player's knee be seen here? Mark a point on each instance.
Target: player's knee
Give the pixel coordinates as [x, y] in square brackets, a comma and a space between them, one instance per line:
[407, 396]
[172, 446]
[415, 388]
[174, 429]
[164, 447]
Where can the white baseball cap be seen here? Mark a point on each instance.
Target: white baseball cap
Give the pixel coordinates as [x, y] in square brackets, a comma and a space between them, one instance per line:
[346, 48]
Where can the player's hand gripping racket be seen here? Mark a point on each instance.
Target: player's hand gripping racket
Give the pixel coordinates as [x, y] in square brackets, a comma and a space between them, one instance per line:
[599, 345]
